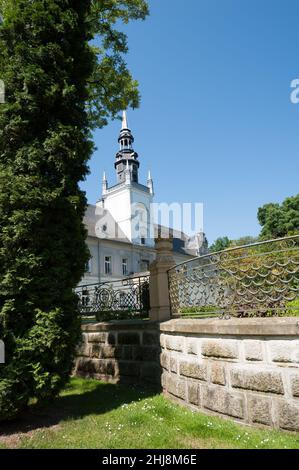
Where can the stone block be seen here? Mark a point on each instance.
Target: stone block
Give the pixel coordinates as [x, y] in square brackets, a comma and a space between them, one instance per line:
[176, 386]
[79, 364]
[99, 337]
[284, 351]
[193, 369]
[151, 372]
[144, 353]
[164, 360]
[162, 341]
[97, 366]
[150, 338]
[222, 348]
[173, 365]
[84, 337]
[218, 399]
[128, 338]
[110, 367]
[102, 351]
[288, 415]
[129, 368]
[295, 384]
[164, 379]
[253, 350]
[84, 350]
[127, 353]
[260, 409]
[137, 353]
[261, 380]
[218, 373]
[107, 352]
[192, 346]
[87, 366]
[193, 393]
[174, 343]
[95, 350]
[112, 338]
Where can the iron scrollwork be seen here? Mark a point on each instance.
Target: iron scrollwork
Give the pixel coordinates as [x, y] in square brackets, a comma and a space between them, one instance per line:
[121, 299]
[261, 279]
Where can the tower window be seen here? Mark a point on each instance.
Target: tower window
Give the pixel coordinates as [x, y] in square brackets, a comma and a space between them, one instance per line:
[107, 264]
[142, 241]
[126, 143]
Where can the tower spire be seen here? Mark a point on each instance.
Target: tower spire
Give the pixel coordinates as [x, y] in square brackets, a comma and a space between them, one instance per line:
[126, 157]
[124, 121]
[150, 183]
[104, 184]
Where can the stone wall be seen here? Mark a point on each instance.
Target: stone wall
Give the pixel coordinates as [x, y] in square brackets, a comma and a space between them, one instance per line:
[120, 351]
[246, 369]
[243, 369]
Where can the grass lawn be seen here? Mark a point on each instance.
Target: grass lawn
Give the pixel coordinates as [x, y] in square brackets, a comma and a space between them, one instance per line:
[91, 414]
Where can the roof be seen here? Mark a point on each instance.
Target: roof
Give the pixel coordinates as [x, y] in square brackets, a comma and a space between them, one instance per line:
[100, 224]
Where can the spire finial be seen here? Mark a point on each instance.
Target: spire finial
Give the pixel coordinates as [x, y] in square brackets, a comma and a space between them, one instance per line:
[104, 184]
[125, 121]
[150, 183]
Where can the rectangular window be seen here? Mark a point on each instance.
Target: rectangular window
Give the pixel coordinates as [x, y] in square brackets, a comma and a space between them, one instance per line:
[142, 241]
[107, 264]
[125, 266]
[144, 265]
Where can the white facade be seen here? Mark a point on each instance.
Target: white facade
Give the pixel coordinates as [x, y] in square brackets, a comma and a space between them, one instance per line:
[120, 230]
[129, 204]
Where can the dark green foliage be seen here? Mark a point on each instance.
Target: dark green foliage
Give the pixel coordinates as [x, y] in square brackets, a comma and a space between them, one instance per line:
[246, 240]
[280, 220]
[220, 244]
[58, 88]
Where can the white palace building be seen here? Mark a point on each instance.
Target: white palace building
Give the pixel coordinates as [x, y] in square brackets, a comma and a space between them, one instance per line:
[120, 228]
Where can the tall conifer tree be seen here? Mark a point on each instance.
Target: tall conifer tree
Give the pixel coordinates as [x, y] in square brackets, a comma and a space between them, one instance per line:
[58, 87]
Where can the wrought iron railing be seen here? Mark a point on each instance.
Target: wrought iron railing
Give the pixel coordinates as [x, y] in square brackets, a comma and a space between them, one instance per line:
[261, 279]
[115, 300]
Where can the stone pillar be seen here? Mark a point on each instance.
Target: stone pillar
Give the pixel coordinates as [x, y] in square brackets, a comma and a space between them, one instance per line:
[159, 294]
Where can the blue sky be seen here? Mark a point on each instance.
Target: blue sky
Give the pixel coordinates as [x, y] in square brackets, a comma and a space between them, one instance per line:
[216, 124]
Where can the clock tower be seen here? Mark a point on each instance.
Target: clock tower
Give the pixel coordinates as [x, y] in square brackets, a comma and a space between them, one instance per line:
[128, 201]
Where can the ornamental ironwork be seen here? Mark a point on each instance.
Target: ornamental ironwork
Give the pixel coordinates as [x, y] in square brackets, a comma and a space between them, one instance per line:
[115, 300]
[261, 279]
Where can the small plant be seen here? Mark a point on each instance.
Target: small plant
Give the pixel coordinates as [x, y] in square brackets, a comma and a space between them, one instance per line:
[201, 312]
[292, 309]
